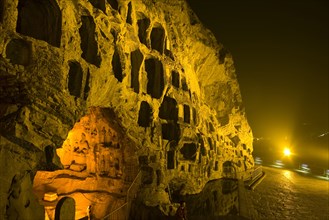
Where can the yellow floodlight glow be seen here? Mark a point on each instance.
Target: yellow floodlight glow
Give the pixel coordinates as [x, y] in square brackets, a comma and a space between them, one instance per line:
[287, 152]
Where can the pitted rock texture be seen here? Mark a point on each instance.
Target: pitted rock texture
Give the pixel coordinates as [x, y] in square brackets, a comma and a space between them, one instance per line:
[170, 87]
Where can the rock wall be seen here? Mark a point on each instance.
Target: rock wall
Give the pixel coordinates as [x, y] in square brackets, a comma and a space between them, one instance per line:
[161, 78]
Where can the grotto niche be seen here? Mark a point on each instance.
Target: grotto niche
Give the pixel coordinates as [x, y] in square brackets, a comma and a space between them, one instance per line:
[99, 167]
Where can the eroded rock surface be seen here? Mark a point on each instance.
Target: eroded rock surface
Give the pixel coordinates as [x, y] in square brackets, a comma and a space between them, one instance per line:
[74, 71]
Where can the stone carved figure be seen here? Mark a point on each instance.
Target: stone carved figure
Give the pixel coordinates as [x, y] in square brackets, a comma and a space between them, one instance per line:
[103, 136]
[84, 145]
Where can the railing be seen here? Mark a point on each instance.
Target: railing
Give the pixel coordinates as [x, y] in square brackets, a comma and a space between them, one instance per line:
[124, 209]
[257, 172]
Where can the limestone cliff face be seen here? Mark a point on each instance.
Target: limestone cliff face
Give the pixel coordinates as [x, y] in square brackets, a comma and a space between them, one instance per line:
[146, 71]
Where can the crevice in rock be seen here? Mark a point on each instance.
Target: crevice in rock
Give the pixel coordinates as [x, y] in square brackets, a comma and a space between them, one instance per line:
[169, 54]
[136, 58]
[19, 51]
[211, 127]
[155, 83]
[100, 4]
[88, 44]
[175, 78]
[145, 114]
[157, 38]
[49, 156]
[115, 35]
[194, 116]
[114, 4]
[116, 65]
[222, 54]
[75, 79]
[129, 19]
[87, 86]
[41, 20]
[171, 160]
[143, 25]
[159, 177]
[187, 114]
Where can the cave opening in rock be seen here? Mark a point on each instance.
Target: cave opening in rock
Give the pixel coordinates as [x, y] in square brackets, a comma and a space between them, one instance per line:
[168, 109]
[159, 177]
[187, 114]
[116, 65]
[41, 20]
[94, 166]
[224, 120]
[216, 166]
[145, 115]
[235, 140]
[175, 78]
[184, 84]
[143, 25]
[189, 151]
[210, 143]
[171, 160]
[2, 3]
[136, 58]
[147, 175]
[75, 79]
[157, 38]
[155, 83]
[19, 51]
[49, 153]
[171, 131]
[65, 209]
[229, 169]
[114, 4]
[100, 4]
[129, 18]
[89, 44]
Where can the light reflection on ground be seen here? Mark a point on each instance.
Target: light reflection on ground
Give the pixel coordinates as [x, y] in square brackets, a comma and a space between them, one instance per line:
[285, 194]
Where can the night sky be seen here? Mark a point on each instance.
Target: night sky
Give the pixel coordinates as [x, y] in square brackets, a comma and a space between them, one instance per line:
[280, 49]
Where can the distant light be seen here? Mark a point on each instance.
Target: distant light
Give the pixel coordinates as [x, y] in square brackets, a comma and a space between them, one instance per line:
[287, 152]
[258, 161]
[278, 163]
[305, 166]
[324, 134]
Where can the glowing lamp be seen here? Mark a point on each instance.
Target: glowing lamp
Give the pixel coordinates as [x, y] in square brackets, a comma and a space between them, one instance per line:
[287, 152]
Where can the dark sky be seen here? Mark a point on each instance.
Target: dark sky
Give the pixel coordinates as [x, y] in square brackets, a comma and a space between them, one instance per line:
[280, 50]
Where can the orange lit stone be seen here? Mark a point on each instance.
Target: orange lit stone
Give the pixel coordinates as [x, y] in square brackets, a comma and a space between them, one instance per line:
[50, 197]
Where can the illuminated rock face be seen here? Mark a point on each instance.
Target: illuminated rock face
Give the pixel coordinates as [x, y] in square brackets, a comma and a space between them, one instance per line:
[94, 92]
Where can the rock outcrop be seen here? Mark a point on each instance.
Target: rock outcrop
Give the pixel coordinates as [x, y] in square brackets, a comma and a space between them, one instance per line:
[103, 101]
